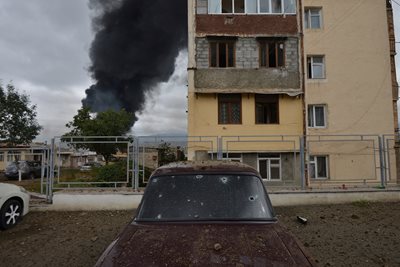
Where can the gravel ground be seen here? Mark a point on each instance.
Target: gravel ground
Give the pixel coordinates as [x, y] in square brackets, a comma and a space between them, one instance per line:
[358, 234]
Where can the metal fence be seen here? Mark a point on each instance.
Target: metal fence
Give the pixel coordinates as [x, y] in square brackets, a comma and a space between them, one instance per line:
[283, 160]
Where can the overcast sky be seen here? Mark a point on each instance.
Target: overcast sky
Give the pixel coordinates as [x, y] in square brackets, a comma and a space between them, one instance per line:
[44, 46]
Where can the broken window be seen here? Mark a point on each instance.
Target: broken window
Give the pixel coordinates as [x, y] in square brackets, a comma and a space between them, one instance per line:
[269, 166]
[316, 67]
[272, 54]
[316, 116]
[205, 197]
[222, 54]
[252, 6]
[312, 18]
[267, 109]
[318, 167]
[229, 109]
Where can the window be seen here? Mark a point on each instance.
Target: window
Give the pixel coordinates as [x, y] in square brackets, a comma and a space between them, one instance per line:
[272, 54]
[318, 167]
[235, 157]
[229, 109]
[267, 109]
[316, 116]
[269, 166]
[252, 6]
[13, 156]
[1, 156]
[222, 54]
[316, 67]
[312, 18]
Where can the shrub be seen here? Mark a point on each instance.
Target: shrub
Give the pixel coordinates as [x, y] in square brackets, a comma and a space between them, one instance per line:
[112, 173]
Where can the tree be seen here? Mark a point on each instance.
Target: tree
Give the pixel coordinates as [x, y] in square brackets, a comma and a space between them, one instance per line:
[18, 124]
[106, 123]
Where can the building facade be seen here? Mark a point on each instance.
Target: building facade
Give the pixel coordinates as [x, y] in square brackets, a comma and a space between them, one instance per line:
[266, 75]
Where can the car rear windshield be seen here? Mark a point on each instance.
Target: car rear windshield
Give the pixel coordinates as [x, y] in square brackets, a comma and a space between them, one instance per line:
[205, 198]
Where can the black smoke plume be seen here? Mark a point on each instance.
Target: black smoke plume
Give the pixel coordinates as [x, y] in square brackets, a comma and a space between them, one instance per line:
[135, 46]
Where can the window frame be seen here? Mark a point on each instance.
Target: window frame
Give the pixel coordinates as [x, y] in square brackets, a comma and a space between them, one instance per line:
[265, 44]
[234, 157]
[264, 102]
[268, 159]
[311, 64]
[232, 101]
[217, 43]
[308, 16]
[2, 154]
[283, 2]
[313, 107]
[315, 162]
[13, 156]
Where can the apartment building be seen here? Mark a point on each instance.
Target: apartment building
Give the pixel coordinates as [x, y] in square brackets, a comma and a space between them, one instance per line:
[264, 73]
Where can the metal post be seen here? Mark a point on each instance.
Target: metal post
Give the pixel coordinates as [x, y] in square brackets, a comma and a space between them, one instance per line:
[219, 152]
[42, 171]
[136, 170]
[51, 180]
[381, 161]
[302, 163]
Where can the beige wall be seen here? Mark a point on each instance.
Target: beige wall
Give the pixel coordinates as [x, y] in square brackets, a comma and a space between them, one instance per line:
[357, 89]
[203, 121]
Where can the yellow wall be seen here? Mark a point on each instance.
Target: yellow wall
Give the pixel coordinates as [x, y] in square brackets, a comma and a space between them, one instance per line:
[357, 89]
[203, 120]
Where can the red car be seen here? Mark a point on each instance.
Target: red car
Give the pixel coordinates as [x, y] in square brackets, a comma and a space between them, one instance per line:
[205, 214]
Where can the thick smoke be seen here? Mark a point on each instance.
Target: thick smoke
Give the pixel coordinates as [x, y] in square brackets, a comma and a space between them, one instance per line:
[135, 47]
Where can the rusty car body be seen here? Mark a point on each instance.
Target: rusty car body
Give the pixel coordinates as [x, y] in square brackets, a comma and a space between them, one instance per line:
[205, 214]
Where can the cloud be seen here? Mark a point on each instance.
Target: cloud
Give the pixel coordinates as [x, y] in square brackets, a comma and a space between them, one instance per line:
[45, 42]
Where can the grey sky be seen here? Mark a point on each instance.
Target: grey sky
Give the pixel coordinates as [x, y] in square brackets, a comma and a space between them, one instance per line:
[44, 46]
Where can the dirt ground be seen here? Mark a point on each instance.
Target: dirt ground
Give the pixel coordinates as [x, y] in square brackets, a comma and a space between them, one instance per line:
[358, 234]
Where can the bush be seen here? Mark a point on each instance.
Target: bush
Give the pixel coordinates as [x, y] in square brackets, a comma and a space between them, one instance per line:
[112, 173]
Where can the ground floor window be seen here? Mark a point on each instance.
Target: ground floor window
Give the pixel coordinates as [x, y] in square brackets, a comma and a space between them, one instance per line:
[235, 157]
[269, 166]
[318, 167]
[1, 156]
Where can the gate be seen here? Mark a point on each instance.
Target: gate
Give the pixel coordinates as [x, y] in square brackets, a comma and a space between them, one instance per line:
[69, 153]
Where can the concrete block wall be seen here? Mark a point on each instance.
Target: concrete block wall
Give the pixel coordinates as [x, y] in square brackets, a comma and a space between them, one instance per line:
[292, 54]
[202, 51]
[247, 53]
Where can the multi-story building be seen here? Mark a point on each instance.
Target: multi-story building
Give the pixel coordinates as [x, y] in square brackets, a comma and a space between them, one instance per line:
[263, 73]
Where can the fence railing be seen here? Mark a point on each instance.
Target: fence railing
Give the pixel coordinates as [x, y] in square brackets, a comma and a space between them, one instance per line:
[282, 160]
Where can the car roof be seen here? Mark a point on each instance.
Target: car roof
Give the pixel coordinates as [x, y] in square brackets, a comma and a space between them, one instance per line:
[205, 167]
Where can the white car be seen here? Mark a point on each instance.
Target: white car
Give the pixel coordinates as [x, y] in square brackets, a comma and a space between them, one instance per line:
[14, 203]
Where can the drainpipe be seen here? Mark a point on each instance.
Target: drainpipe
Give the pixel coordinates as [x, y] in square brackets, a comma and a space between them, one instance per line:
[303, 85]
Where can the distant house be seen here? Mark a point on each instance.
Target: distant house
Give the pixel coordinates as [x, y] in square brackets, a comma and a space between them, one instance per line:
[8, 154]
